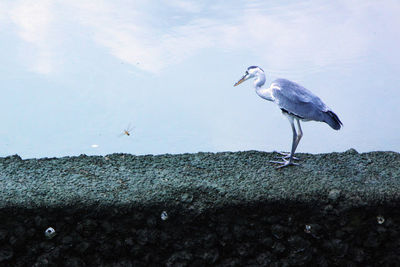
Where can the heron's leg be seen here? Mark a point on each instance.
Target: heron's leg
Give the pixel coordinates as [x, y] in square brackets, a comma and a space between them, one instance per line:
[290, 161]
[299, 134]
[298, 138]
[285, 155]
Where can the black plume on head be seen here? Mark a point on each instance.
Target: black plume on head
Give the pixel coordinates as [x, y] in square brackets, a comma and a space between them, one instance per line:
[254, 67]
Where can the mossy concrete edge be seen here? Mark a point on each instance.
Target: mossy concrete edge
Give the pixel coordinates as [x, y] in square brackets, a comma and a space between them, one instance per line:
[199, 181]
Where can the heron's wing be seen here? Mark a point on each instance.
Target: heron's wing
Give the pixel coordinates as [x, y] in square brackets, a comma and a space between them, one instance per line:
[297, 100]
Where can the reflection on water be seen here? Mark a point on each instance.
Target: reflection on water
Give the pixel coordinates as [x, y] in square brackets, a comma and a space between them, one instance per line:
[65, 91]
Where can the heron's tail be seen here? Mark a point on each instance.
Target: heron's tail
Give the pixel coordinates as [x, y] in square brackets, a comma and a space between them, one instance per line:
[333, 120]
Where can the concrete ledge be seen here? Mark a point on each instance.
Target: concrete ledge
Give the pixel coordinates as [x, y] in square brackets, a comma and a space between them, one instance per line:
[207, 180]
[216, 209]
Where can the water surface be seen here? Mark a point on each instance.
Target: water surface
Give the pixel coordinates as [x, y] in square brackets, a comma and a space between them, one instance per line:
[76, 75]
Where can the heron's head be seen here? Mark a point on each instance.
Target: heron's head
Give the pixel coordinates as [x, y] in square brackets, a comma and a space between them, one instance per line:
[252, 71]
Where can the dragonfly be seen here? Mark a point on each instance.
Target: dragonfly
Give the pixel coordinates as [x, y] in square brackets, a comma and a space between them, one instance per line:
[127, 131]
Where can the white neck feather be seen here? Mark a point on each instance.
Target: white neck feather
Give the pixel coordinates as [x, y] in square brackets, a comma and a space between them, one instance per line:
[265, 93]
[259, 80]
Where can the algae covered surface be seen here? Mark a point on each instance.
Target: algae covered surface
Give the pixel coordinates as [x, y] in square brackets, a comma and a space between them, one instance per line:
[203, 209]
[202, 180]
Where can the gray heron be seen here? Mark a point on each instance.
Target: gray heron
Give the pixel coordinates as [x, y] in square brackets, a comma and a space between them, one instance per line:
[297, 104]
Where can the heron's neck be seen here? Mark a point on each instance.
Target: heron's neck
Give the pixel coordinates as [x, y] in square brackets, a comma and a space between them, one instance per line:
[265, 93]
[259, 81]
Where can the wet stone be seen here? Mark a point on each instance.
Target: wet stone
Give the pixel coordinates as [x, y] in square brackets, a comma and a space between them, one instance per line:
[136, 250]
[381, 230]
[87, 227]
[358, 254]
[179, 258]
[264, 259]
[340, 234]
[316, 231]
[142, 236]
[13, 241]
[278, 247]
[82, 247]
[67, 240]
[210, 256]
[151, 221]
[31, 232]
[138, 216]
[106, 227]
[300, 258]
[231, 262]
[267, 241]
[322, 261]
[6, 253]
[3, 234]
[278, 231]
[47, 246]
[244, 250]
[239, 232]
[41, 222]
[298, 244]
[186, 198]
[20, 232]
[273, 219]
[74, 262]
[372, 240]
[129, 241]
[334, 194]
[336, 247]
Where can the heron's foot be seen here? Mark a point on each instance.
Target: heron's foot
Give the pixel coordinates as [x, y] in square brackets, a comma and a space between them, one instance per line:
[284, 163]
[286, 155]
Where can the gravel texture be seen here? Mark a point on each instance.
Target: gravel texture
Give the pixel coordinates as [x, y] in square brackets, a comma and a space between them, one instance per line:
[203, 209]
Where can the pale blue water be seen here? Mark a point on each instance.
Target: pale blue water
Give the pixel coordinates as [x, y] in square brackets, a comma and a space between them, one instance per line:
[75, 75]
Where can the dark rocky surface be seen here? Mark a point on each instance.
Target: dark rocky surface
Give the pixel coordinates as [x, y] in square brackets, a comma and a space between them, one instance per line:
[204, 209]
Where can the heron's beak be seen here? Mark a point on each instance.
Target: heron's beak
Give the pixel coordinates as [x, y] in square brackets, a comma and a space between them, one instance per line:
[241, 80]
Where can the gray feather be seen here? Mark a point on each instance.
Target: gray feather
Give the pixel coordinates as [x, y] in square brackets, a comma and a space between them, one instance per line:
[297, 100]
[333, 120]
